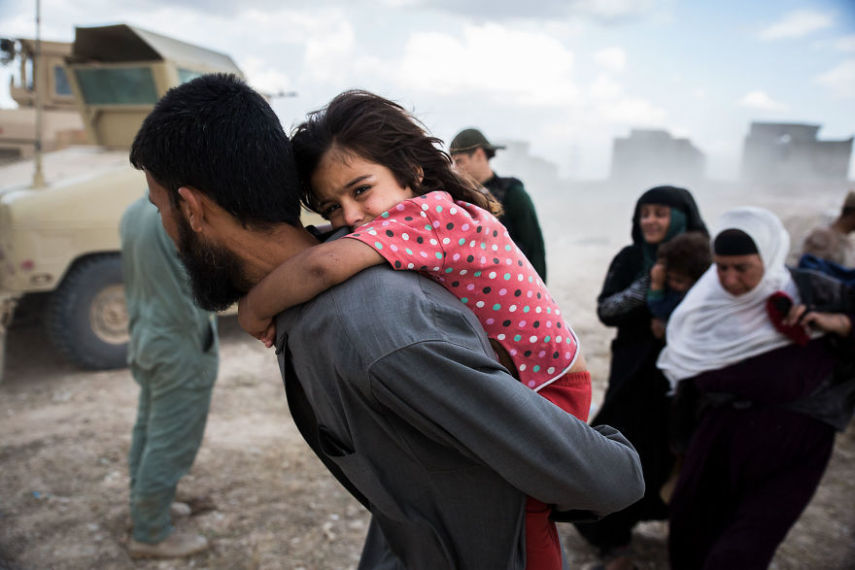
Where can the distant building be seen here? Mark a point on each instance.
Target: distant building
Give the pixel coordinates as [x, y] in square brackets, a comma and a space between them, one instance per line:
[516, 160]
[790, 153]
[657, 156]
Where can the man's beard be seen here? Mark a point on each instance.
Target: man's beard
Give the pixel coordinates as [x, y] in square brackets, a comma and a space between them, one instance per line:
[216, 274]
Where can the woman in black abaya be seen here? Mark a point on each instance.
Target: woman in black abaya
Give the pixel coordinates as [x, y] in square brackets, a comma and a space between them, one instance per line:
[636, 400]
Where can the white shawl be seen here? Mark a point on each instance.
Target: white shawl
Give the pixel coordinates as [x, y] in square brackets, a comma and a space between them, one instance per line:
[711, 328]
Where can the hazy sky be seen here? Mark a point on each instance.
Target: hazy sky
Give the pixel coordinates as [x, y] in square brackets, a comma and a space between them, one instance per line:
[566, 75]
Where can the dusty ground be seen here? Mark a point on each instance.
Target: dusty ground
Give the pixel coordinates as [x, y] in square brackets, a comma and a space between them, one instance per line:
[66, 433]
[63, 481]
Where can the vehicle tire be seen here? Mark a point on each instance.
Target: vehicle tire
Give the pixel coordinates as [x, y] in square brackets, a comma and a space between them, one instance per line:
[87, 319]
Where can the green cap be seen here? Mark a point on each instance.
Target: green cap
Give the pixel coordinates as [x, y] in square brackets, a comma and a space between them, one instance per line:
[470, 139]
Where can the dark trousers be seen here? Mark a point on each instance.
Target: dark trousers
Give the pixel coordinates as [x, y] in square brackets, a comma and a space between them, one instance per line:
[747, 476]
[640, 409]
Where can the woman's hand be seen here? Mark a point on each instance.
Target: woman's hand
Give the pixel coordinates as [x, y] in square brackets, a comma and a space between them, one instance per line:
[261, 328]
[837, 323]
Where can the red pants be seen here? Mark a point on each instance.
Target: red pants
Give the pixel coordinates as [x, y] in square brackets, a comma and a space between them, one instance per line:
[571, 393]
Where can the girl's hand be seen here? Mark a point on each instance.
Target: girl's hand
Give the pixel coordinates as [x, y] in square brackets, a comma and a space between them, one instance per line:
[269, 335]
[261, 328]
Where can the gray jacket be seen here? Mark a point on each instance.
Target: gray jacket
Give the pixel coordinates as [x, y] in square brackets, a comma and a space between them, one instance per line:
[392, 382]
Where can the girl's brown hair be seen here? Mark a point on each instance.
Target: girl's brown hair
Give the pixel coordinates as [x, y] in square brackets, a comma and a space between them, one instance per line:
[381, 131]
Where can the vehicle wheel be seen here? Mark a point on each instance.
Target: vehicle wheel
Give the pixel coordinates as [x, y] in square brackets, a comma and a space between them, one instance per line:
[87, 319]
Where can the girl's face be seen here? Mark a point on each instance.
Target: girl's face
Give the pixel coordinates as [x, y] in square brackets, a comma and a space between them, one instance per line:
[352, 191]
[654, 222]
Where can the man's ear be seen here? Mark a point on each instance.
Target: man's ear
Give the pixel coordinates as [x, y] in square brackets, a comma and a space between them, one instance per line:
[192, 206]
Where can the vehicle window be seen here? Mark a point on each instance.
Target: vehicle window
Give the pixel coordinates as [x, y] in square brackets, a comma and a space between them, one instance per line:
[60, 80]
[117, 85]
[185, 75]
[28, 73]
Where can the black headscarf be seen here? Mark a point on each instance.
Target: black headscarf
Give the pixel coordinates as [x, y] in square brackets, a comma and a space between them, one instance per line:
[675, 198]
[734, 242]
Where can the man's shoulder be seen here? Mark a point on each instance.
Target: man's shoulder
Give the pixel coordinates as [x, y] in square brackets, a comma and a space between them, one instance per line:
[824, 242]
[140, 226]
[133, 214]
[515, 182]
[378, 312]
[379, 297]
[371, 286]
[515, 194]
[509, 182]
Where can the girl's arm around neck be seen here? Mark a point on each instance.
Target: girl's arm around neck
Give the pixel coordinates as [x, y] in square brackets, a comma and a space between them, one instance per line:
[303, 277]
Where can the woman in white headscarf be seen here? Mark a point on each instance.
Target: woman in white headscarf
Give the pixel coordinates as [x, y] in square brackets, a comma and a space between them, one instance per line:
[763, 351]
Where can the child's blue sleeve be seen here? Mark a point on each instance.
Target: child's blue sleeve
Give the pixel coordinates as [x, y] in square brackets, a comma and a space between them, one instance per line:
[662, 303]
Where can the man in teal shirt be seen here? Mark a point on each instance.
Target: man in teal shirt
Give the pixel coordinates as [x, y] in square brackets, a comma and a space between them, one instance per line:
[173, 357]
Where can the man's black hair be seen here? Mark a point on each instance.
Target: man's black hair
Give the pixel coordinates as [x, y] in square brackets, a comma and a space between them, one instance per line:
[220, 137]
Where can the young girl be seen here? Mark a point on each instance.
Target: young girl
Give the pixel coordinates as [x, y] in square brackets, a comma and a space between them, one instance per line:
[367, 164]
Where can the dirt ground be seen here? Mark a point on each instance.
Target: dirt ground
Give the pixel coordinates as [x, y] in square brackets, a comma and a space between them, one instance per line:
[263, 500]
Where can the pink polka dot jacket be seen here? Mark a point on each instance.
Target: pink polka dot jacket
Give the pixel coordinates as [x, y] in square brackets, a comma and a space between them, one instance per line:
[469, 252]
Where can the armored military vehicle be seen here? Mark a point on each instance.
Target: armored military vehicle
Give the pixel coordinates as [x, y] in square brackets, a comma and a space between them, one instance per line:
[62, 240]
[61, 124]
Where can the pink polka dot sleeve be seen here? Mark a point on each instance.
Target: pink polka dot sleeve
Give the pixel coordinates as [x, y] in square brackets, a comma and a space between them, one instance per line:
[408, 236]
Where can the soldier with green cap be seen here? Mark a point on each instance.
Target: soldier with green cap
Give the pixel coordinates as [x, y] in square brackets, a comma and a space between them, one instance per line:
[471, 152]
